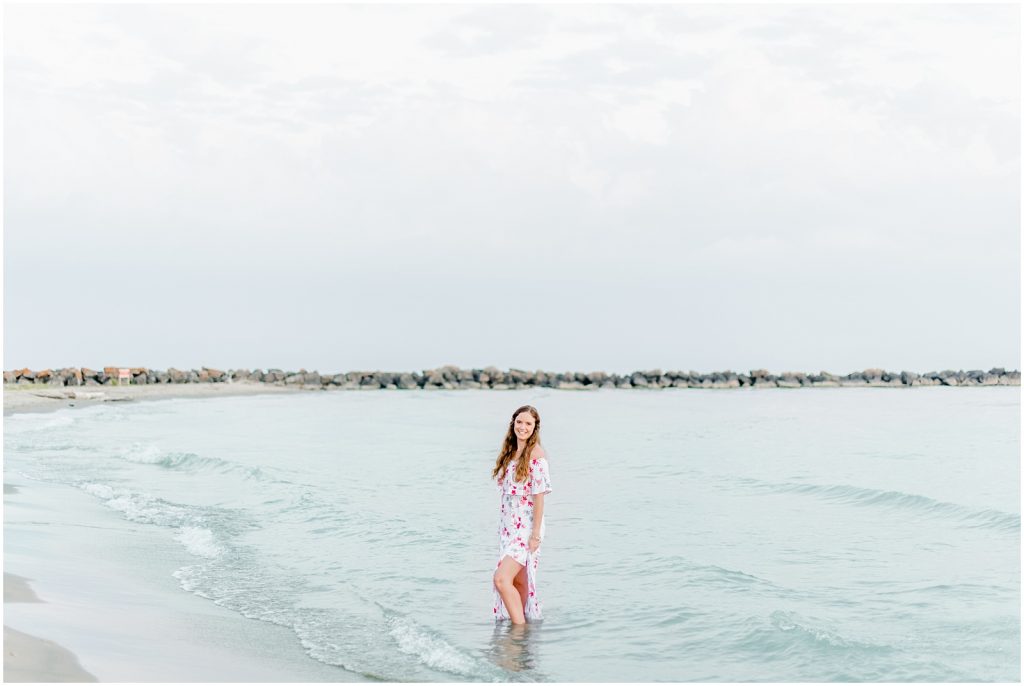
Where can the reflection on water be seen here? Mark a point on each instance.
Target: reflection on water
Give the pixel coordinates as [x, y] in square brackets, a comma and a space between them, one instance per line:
[513, 647]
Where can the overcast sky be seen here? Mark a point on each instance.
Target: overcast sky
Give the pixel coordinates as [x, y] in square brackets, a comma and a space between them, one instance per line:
[563, 187]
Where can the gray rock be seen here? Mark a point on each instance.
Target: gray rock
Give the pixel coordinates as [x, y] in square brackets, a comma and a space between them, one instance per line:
[638, 380]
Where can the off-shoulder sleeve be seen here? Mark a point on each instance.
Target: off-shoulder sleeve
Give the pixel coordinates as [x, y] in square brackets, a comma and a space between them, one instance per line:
[541, 478]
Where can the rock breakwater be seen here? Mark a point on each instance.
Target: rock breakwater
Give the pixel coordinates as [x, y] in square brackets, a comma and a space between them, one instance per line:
[450, 377]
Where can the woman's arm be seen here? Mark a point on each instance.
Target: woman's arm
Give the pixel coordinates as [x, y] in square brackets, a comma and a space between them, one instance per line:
[538, 517]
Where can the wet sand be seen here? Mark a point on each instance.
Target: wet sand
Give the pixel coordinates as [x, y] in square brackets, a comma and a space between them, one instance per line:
[30, 658]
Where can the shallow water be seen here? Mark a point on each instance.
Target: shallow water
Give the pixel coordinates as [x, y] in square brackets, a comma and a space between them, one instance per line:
[692, 535]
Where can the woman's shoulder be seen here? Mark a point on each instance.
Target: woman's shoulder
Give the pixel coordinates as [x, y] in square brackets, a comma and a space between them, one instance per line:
[538, 453]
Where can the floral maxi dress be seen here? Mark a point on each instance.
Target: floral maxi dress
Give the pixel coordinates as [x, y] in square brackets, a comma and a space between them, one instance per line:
[516, 526]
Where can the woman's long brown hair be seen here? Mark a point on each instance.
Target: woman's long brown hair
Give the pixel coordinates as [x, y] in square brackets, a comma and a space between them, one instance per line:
[508, 448]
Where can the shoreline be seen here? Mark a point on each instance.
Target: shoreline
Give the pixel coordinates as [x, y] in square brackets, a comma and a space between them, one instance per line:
[29, 658]
[103, 604]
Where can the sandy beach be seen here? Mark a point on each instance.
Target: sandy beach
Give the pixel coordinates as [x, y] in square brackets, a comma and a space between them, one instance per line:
[29, 658]
[19, 399]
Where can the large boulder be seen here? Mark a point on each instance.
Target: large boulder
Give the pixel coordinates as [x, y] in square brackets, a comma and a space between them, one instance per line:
[215, 374]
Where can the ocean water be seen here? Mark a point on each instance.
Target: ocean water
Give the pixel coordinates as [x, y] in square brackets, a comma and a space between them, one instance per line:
[854, 534]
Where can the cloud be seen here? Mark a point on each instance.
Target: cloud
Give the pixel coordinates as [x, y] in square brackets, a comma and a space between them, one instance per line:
[523, 139]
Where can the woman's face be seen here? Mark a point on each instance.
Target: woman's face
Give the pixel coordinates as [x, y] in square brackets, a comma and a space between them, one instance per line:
[524, 425]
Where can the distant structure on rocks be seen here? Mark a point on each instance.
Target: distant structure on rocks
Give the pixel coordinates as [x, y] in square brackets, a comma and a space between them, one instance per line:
[451, 377]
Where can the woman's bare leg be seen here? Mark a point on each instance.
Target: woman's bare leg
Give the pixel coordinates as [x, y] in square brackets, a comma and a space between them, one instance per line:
[522, 584]
[503, 581]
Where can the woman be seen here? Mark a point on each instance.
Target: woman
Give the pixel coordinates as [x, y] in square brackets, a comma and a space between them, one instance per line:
[521, 472]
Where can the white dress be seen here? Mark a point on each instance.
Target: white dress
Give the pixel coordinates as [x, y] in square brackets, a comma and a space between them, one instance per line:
[515, 526]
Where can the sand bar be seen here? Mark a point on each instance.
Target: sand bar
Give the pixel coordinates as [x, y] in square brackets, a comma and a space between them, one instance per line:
[18, 399]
